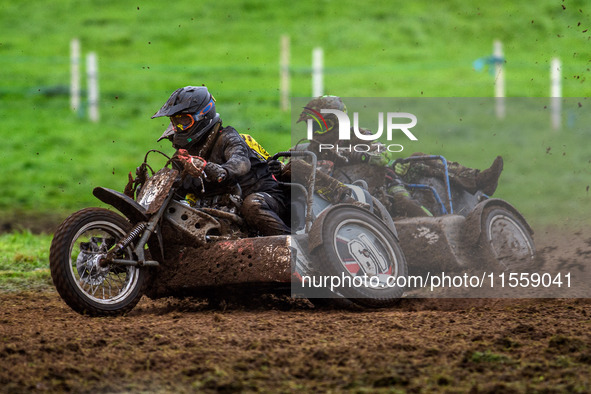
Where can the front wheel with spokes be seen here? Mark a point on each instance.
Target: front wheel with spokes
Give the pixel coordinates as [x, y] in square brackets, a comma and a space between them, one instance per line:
[86, 285]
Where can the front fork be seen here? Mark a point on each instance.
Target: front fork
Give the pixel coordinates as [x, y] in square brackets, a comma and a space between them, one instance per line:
[145, 229]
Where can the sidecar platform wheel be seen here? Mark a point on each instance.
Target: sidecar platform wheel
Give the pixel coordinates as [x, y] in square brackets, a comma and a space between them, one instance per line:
[78, 245]
[507, 239]
[361, 250]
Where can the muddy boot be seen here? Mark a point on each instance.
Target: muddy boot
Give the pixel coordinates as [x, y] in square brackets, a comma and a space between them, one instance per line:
[488, 179]
[459, 175]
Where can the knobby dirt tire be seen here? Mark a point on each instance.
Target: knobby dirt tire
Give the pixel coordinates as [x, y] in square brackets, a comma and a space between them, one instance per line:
[64, 270]
[506, 239]
[332, 254]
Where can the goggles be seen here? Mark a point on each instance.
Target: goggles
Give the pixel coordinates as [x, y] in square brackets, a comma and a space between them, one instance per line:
[182, 122]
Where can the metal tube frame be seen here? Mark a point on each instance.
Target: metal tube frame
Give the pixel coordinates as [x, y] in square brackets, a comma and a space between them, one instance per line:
[446, 179]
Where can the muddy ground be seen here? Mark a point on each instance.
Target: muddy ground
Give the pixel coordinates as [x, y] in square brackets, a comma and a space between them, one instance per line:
[278, 345]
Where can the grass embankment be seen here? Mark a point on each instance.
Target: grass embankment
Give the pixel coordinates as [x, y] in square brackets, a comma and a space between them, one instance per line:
[24, 261]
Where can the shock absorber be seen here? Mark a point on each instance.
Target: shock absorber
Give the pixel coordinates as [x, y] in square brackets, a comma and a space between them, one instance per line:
[135, 232]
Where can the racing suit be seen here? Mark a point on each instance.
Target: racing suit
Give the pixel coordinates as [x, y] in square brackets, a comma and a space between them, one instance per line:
[264, 201]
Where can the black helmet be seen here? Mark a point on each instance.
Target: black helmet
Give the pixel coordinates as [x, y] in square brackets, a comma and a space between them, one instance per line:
[192, 113]
[323, 130]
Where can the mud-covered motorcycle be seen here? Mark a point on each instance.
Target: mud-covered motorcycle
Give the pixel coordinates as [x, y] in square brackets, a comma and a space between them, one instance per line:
[467, 230]
[102, 263]
[473, 229]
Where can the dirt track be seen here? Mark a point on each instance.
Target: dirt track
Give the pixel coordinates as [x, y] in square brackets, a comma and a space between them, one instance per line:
[280, 345]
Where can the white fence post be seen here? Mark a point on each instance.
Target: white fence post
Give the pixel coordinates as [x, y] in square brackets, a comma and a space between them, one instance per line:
[93, 89]
[556, 93]
[317, 72]
[75, 74]
[284, 73]
[499, 61]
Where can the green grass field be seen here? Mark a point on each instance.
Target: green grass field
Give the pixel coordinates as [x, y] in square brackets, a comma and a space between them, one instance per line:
[24, 261]
[52, 157]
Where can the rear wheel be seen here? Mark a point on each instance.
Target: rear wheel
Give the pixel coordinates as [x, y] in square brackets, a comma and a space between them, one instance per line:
[78, 245]
[361, 252]
[507, 239]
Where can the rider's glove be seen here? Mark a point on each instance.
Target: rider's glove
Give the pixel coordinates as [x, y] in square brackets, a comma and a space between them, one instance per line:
[275, 167]
[193, 165]
[401, 169]
[379, 160]
[181, 156]
[372, 159]
[359, 157]
[215, 172]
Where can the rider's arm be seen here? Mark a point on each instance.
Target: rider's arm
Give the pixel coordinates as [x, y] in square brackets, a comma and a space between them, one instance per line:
[235, 151]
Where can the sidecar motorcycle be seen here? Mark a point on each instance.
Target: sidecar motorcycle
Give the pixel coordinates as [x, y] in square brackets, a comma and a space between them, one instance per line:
[102, 263]
[467, 230]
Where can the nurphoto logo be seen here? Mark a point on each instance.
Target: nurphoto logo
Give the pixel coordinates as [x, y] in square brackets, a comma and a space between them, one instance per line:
[344, 129]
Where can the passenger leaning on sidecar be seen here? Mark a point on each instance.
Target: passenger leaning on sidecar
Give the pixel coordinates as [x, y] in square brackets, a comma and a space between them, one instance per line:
[344, 162]
[197, 128]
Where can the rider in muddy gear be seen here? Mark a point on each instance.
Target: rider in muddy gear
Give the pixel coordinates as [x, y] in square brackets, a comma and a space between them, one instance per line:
[196, 127]
[469, 178]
